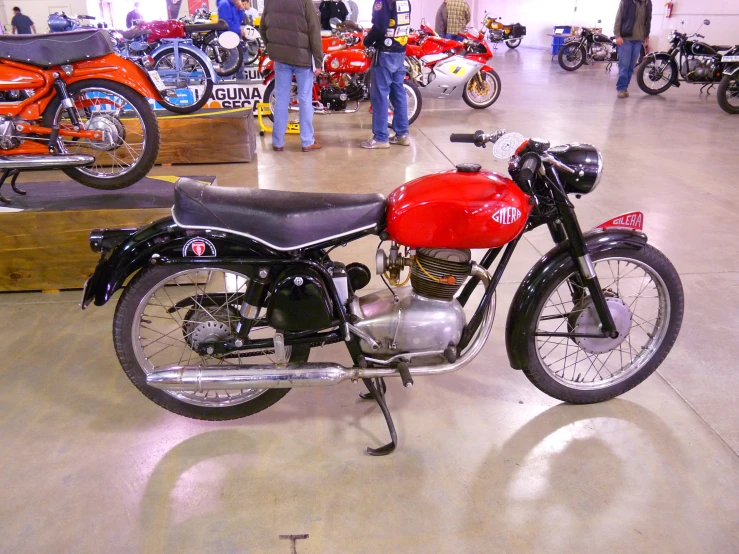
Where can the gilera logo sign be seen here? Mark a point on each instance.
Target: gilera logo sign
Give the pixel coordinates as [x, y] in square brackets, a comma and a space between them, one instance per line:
[507, 216]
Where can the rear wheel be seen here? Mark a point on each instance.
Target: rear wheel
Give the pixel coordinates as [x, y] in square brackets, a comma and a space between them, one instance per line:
[656, 74]
[414, 102]
[512, 44]
[482, 90]
[728, 93]
[188, 75]
[251, 51]
[226, 62]
[129, 126]
[572, 56]
[165, 316]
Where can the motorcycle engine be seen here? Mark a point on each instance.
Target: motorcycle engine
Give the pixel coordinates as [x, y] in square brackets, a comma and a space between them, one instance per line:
[600, 52]
[496, 36]
[8, 138]
[698, 69]
[334, 98]
[354, 88]
[422, 320]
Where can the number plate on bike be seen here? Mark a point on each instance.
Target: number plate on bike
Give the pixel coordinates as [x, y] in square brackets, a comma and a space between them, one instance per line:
[726, 59]
[157, 80]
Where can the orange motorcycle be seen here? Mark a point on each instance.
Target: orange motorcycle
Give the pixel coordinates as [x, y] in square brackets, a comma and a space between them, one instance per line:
[68, 102]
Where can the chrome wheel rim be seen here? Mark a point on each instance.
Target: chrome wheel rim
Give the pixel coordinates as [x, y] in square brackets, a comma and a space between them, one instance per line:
[657, 76]
[164, 334]
[633, 283]
[572, 55]
[481, 94]
[124, 140]
[191, 73]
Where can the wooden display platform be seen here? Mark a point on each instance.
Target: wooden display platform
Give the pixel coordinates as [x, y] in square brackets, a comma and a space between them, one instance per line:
[208, 136]
[45, 235]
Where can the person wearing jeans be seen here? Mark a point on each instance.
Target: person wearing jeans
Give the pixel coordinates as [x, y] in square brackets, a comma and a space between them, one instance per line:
[283, 88]
[292, 34]
[389, 35]
[632, 29]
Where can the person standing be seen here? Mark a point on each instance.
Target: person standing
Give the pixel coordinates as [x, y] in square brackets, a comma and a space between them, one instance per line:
[632, 29]
[353, 8]
[250, 13]
[133, 16]
[232, 12]
[442, 16]
[292, 33]
[389, 34]
[458, 17]
[22, 24]
[332, 9]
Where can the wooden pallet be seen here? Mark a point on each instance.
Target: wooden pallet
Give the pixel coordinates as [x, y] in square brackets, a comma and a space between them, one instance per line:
[45, 243]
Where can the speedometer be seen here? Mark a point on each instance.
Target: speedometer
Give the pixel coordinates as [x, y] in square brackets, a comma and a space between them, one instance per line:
[507, 145]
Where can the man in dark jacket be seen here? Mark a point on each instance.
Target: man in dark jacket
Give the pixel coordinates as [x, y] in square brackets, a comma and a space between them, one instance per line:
[632, 28]
[332, 9]
[391, 21]
[292, 34]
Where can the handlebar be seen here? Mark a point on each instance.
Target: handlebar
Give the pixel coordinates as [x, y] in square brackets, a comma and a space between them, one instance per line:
[478, 138]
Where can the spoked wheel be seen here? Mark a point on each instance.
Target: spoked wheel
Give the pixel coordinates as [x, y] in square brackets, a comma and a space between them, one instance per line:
[413, 100]
[226, 62]
[186, 74]
[572, 56]
[512, 44]
[251, 51]
[645, 297]
[482, 90]
[728, 94]
[169, 315]
[129, 127]
[656, 75]
[293, 114]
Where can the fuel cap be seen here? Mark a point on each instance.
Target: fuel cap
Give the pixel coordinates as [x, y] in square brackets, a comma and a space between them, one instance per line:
[469, 168]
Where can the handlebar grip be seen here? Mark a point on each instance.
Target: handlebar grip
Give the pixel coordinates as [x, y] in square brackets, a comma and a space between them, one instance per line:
[462, 137]
[700, 36]
[529, 168]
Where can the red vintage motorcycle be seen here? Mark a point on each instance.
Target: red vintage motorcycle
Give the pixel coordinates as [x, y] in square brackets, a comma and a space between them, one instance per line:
[70, 103]
[231, 293]
[345, 80]
[450, 69]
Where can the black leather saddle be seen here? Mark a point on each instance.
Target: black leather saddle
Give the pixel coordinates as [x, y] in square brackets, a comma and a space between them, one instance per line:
[280, 220]
[206, 27]
[56, 48]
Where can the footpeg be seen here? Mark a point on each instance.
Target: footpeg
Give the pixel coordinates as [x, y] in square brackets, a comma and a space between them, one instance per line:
[405, 375]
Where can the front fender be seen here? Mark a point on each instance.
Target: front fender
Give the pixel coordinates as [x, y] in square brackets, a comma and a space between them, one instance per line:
[166, 239]
[732, 70]
[543, 274]
[192, 50]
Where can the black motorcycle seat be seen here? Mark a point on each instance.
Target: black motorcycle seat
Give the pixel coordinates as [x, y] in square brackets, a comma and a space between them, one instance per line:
[206, 27]
[56, 48]
[135, 33]
[281, 220]
[721, 48]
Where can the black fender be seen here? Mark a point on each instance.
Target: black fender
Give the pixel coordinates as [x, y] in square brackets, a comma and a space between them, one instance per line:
[163, 238]
[543, 274]
[731, 70]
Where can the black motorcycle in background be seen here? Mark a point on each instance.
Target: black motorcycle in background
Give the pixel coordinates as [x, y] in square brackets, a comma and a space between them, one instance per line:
[690, 61]
[728, 89]
[590, 47]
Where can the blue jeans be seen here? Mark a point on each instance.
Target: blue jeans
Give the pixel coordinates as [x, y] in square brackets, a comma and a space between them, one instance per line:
[283, 86]
[387, 80]
[628, 57]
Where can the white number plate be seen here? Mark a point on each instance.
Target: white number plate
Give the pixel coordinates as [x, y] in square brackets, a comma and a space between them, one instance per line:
[726, 59]
[157, 80]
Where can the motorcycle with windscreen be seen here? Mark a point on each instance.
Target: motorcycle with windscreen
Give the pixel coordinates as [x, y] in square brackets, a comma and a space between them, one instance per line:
[229, 297]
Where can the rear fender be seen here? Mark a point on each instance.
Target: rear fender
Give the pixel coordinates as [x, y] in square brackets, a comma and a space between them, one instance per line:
[163, 239]
[115, 68]
[542, 275]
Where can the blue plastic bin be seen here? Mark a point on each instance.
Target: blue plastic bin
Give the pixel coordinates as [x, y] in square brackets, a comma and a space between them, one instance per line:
[558, 42]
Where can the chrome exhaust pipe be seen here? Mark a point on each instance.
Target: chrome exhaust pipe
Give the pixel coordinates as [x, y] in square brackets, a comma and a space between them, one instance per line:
[52, 161]
[250, 376]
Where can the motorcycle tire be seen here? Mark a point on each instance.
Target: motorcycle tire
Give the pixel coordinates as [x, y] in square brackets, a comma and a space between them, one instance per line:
[641, 75]
[191, 108]
[496, 94]
[269, 92]
[251, 52]
[149, 121]
[125, 312]
[513, 44]
[412, 87]
[729, 87]
[542, 377]
[563, 52]
[235, 56]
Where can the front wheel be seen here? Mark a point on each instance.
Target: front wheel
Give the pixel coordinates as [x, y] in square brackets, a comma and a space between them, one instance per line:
[656, 74]
[188, 75]
[482, 90]
[572, 56]
[513, 44]
[645, 296]
[169, 314]
[293, 114]
[225, 62]
[129, 127]
[728, 93]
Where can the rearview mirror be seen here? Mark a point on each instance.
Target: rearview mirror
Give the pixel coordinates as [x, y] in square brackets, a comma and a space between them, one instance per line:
[706, 22]
[600, 21]
[334, 21]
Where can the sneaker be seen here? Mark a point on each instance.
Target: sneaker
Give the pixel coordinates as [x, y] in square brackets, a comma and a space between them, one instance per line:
[373, 144]
[623, 94]
[401, 140]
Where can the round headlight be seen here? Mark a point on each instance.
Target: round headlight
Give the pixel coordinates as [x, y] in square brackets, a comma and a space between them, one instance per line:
[586, 160]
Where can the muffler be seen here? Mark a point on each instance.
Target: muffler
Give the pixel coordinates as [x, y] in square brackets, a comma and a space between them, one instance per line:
[177, 378]
[52, 161]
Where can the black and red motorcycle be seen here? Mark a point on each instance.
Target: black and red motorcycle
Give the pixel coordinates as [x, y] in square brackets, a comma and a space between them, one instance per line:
[231, 293]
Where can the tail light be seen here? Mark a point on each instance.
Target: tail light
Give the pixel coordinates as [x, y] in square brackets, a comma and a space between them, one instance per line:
[148, 62]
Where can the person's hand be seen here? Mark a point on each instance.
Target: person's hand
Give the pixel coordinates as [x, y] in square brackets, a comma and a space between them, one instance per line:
[317, 71]
[620, 41]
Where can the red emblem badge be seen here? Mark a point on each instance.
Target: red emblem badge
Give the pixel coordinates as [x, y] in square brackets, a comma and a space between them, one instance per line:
[199, 248]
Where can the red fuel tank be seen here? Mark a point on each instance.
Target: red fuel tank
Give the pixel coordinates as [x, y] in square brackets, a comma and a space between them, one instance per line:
[164, 29]
[436, 45]
[457, 209]
[347, 61]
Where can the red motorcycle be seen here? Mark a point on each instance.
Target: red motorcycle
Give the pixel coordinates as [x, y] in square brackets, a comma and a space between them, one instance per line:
[232, 292]
[451, 69]
[345, 80]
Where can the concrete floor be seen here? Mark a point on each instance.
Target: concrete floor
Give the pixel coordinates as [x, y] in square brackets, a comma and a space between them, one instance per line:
[486, 462]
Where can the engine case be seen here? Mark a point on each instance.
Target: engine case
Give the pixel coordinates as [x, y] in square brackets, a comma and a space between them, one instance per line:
[334, 98]
[415, 324]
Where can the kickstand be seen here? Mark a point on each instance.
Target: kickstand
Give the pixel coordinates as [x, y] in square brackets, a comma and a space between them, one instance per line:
[369, 396]
[16, 173]
[709, 86]
[377, 389]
